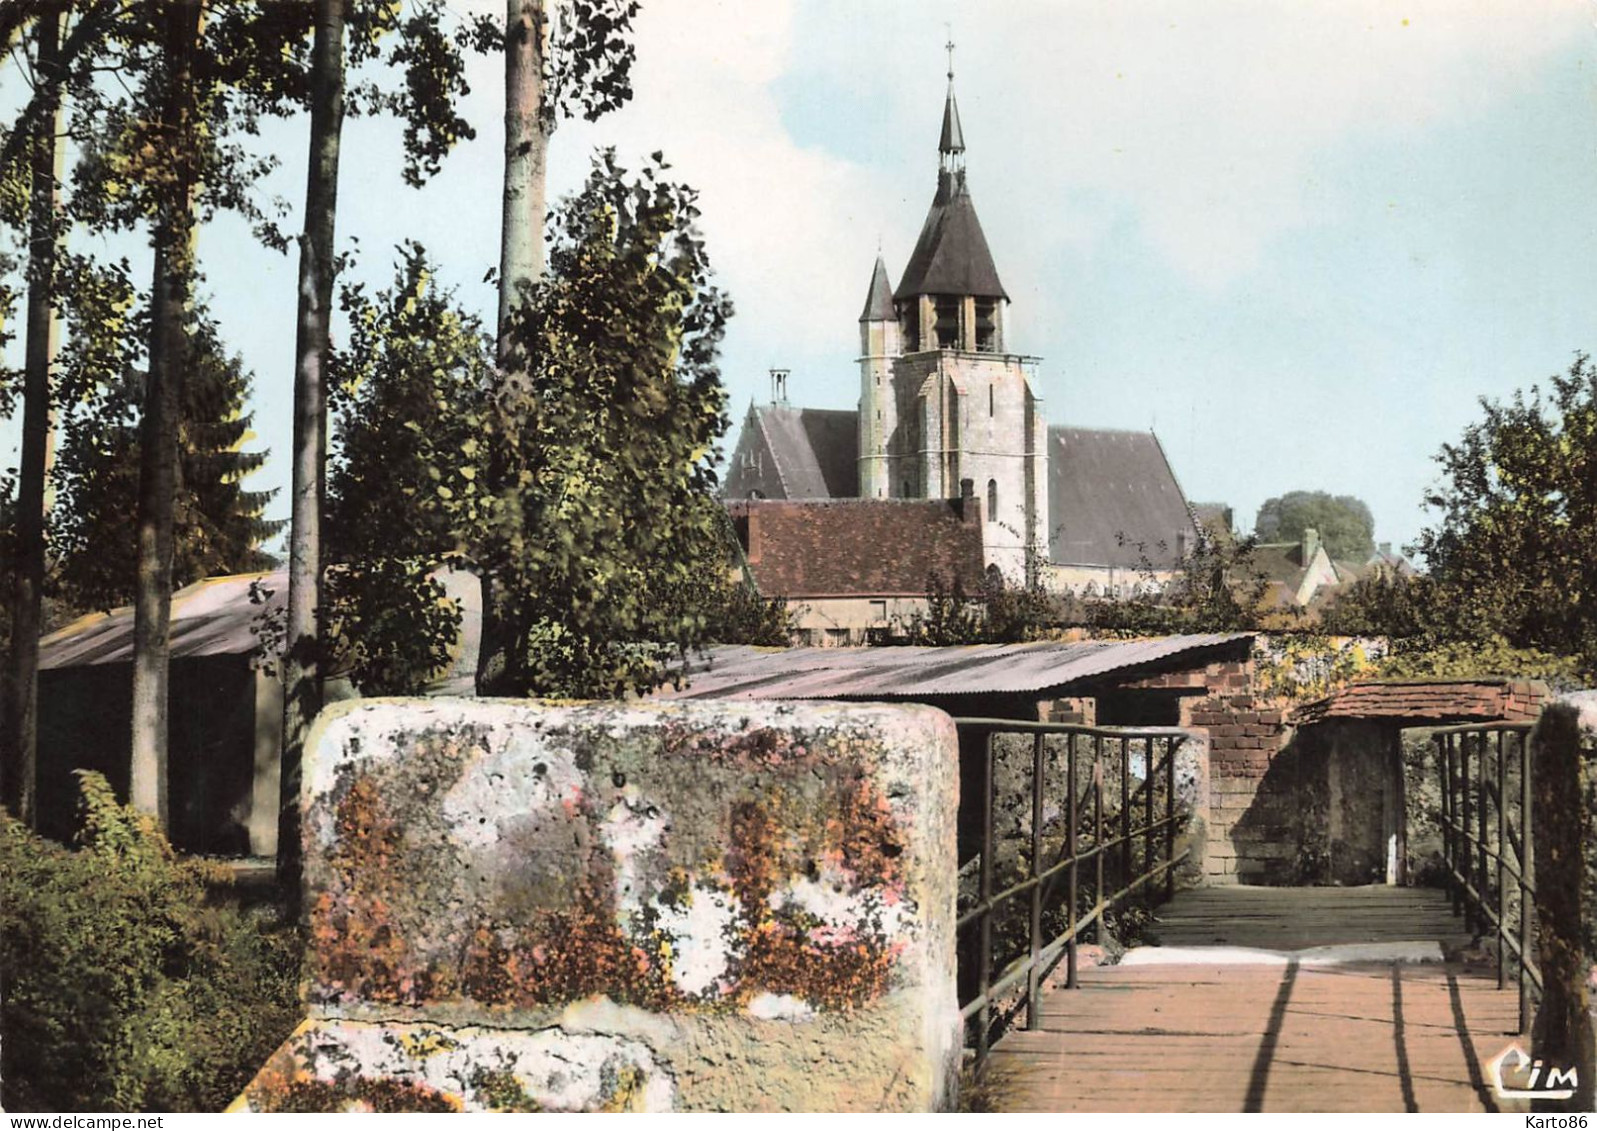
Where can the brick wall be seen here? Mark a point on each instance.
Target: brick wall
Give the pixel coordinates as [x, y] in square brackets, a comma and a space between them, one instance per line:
[1245, 734]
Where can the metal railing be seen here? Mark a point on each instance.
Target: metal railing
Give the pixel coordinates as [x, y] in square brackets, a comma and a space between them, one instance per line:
[1096, 847]
[1487, 777]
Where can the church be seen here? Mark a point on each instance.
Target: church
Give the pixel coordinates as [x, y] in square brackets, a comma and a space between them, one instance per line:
[948, 464]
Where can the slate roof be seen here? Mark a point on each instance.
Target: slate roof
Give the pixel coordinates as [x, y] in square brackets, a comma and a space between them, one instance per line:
[1100, 482]
[952, 138]
[1103, 483]
[951, 256]
[859, 547]
[743, 672]
[879, 301]
[1429, 701]
[815, 451]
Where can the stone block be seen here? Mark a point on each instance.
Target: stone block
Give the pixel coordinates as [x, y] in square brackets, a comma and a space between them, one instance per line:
[684, 906]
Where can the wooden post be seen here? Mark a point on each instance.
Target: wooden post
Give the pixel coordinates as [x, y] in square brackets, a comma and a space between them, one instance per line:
[1170, 747]
[1097, 834]
[1444, 766]
[1562, 1035]
[1527, 861]
[1033, 989]
[1502, 863]
[1072, 891]
[1461, 846]
[985, 955]
[1125, 815]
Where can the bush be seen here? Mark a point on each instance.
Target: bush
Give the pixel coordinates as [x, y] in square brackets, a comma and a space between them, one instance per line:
[123, 986]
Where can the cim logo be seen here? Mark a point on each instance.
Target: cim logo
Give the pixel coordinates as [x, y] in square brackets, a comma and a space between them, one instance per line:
[1516, 1075]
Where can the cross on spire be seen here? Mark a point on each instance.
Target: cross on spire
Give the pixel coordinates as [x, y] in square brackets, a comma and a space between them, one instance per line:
[951, 145]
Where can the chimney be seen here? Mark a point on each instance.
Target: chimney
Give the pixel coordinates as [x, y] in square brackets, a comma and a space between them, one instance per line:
[779, 386]
[967, 505]
[1311, 545]
[1386, 549]
[753, 554]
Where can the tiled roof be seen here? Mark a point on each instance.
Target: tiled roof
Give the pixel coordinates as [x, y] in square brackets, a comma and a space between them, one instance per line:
[860, 547]
[1105, 483]
[1436, 701]
[1280, 561]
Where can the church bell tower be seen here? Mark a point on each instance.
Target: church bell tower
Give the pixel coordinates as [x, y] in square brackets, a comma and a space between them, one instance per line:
[945, 409]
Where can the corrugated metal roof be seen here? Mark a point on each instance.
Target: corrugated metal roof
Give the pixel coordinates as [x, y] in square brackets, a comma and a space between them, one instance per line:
[214, 617]
[209, 618]
[743, 672]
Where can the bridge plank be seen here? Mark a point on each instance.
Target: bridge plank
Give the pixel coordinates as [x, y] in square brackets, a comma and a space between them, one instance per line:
[1214, 1037]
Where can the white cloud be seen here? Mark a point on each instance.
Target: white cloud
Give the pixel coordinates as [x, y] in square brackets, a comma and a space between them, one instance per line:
[1207, 121]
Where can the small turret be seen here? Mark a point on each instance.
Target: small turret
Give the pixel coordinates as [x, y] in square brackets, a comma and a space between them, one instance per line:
[878, 416]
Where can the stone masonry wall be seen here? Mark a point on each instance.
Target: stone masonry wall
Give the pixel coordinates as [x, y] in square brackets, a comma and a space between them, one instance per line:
[684, 906]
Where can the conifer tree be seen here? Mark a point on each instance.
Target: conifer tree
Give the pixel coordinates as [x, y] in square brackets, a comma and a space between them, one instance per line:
[218, 526]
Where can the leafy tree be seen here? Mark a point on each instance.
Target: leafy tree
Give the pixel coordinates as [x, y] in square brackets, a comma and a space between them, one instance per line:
[408, 461]
[1512, 553]
[599, 463]
[1384, 604]
[409, 393]
[1344, 523]
[607, 552]
[1217, 587]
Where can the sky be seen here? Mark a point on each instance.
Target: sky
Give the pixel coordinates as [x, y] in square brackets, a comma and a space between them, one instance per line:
[1298, 241]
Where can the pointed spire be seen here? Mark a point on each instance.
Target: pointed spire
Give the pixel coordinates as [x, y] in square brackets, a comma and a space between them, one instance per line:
[952, 140]
[951, 256]
[879, 300]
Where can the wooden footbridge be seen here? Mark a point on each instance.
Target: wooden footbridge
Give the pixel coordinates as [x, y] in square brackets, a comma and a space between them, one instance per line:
[1250, 998]
[1271, 999]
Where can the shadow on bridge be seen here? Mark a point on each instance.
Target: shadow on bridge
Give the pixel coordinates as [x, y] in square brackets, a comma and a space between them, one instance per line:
[1323, 1026]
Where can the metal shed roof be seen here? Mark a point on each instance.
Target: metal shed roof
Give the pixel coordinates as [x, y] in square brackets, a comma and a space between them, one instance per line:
[215, 617]
[743, 672]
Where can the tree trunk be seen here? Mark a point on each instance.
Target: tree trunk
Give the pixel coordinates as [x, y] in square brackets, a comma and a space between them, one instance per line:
[21, 716]
[521, 261]
[301, 673]
[527, 129]
[158, 436]
[1561, 1036]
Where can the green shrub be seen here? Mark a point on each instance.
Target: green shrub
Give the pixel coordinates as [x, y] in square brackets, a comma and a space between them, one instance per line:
[123, 985]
